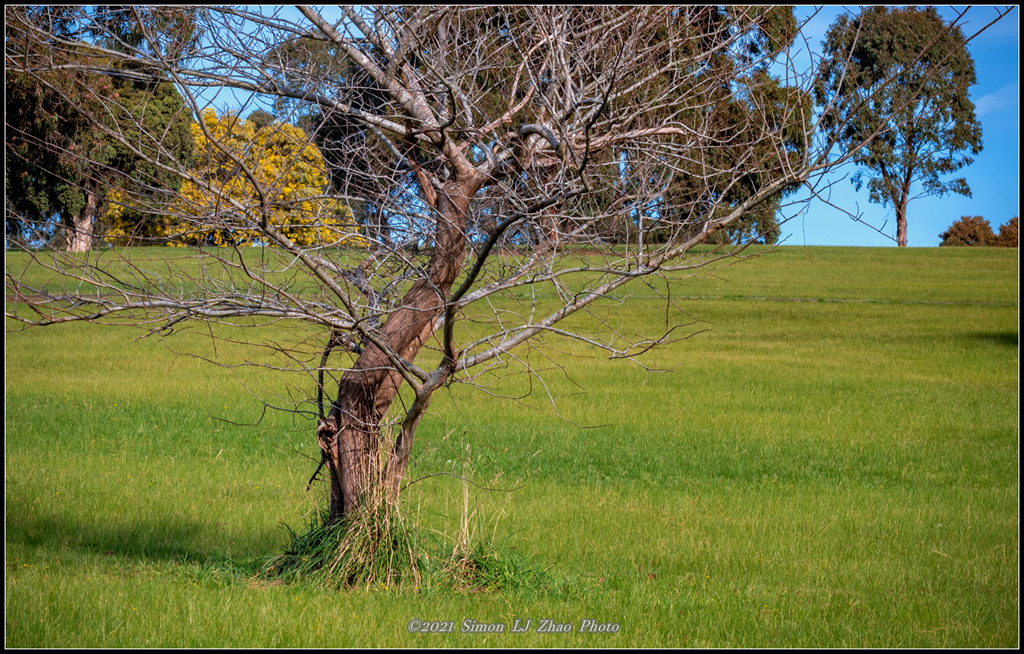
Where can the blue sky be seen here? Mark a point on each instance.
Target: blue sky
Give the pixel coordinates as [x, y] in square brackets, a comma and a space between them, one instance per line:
[993, 177]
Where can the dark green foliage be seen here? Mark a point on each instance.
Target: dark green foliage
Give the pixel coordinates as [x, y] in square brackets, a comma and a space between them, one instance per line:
[356, 157]
[158, 124]
[969, 231]
[757, 96]
[166, 31]
[874, 79]
[150, 113]
[62, 162]
[45, 180]
[776, 28]
[731, 39]
[260, 119]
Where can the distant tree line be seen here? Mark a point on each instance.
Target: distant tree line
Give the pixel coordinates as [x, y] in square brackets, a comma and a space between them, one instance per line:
[976, 231]
[71, 180]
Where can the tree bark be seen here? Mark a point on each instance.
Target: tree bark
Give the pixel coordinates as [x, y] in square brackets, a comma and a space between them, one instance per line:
[901, 225]
[79, 237]
[366, 391]
[901, 215]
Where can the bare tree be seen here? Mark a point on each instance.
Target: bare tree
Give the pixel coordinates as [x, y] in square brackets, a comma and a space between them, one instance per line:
[497, 153]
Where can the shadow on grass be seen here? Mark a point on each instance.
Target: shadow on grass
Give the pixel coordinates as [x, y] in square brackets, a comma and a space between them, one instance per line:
[174, 541]
[1009, 339]
[180, 547]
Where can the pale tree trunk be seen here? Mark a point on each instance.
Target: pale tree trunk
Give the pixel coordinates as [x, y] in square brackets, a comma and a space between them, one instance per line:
[366, 391]
[79, 236]
[901, 215]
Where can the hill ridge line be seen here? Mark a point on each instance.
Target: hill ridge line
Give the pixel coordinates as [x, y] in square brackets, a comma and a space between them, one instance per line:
[763, 298]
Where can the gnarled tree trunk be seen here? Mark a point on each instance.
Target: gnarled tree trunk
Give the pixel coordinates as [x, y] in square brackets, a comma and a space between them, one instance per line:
[366, 391]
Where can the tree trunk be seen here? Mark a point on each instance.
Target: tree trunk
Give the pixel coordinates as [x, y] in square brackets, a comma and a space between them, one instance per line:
[901, 225]
[79, 237]
[901, 216]
[365, 392]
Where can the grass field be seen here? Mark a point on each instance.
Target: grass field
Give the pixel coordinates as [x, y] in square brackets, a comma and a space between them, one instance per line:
[833, 461]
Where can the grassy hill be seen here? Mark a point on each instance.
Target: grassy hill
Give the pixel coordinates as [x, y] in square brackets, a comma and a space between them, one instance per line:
[829, 459]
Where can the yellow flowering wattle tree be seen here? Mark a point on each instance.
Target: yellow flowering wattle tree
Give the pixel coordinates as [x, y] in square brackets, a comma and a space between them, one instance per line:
[242, 176]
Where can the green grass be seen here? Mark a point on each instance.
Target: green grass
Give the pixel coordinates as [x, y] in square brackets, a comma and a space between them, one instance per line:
[833, 462]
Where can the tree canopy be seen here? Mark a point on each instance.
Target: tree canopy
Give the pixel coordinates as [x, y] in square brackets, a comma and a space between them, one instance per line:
[968, 231]
[77, 136]
[900, 77]
[45, 185]
[1009, 234]
[216, 202]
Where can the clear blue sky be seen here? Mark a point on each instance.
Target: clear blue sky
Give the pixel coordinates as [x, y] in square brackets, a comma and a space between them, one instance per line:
[993, 177]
